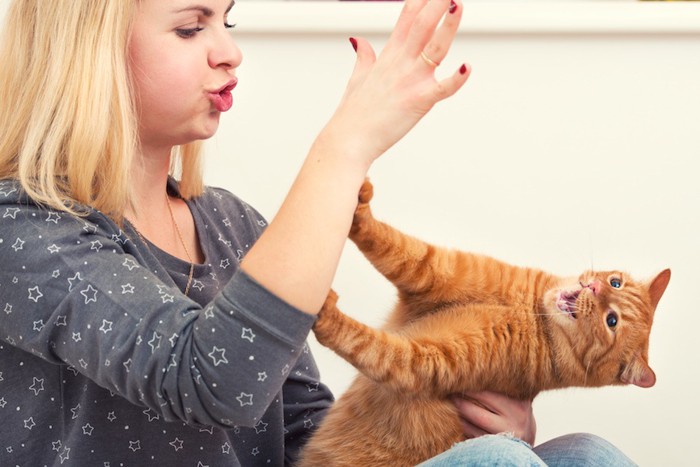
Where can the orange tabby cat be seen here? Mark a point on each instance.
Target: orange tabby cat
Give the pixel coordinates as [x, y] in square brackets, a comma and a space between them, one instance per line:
[466, 322]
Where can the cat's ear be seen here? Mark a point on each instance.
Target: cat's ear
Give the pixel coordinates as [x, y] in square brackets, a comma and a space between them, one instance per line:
[639, 373]
[658, 286]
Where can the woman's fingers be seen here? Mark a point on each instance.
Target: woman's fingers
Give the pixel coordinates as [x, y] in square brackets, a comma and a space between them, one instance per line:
[451, 84]
[388, 93]
[439, 44]
[420, 33]
[426, 24]
[470, 431]
[496, 413]
[475, 414]
[411, 9]
[363, 63]
[447, 86]
[429, 41]
[365, 55]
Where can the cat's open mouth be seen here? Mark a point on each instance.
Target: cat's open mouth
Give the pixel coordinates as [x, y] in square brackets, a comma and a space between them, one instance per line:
[567, 302]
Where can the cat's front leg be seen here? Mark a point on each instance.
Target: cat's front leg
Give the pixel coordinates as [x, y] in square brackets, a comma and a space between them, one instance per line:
[412, 265]
[429, 275]
[414, 365]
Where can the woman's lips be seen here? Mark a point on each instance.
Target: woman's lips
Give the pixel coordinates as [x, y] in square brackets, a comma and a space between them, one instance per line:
[221, 99]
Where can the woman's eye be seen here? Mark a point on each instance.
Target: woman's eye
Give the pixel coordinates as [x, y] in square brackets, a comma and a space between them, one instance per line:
[611, 319]
[186, 33]
[615, 283]
[228, 25]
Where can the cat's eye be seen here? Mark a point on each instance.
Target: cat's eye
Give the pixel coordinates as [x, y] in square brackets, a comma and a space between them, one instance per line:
[616, 282]
[611, 320]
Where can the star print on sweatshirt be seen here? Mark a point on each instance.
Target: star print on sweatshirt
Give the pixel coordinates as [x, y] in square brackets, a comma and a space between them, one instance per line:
[104, 361]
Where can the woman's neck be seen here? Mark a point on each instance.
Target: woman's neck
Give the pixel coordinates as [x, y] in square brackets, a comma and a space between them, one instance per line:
[149, 180]
[167, 223]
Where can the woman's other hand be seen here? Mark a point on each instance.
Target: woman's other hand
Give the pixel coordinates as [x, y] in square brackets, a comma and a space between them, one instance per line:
[483, 413]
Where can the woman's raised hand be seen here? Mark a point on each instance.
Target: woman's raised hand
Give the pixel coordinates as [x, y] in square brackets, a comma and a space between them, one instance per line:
[297, 255]
[388, 94]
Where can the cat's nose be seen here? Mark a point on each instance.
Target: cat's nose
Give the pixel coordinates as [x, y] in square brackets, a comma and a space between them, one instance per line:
[595, 286]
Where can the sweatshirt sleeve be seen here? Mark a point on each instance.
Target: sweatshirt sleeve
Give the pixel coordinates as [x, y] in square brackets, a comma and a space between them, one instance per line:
[75, 292]
[306, 402]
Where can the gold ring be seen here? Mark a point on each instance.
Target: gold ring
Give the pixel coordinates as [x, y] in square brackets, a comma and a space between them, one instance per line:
[427, 60]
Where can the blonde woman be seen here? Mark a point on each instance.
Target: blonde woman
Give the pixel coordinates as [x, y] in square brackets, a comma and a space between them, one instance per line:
[150, 321]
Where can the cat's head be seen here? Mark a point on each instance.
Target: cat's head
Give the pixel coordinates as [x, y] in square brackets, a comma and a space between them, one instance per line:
[605, 319]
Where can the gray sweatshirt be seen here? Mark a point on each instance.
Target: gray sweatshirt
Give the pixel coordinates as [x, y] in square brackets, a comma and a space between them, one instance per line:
[105, 362]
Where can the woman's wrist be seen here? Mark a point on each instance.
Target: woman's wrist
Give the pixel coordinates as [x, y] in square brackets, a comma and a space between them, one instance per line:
[346, 145]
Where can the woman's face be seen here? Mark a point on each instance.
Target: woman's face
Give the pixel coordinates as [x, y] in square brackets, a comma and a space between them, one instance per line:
[183, 62]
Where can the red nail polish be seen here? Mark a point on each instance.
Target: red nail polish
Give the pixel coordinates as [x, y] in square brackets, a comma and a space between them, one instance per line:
[453, 7]
[353, 41]
[463, 69]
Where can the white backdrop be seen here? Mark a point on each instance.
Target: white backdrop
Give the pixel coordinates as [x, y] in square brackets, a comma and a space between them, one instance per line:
[573, 145]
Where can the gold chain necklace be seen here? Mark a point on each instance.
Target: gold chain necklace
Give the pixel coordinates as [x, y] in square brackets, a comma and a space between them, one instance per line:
[182, 241]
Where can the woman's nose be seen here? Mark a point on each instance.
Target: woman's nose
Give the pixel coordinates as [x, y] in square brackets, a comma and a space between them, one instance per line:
[224, 52]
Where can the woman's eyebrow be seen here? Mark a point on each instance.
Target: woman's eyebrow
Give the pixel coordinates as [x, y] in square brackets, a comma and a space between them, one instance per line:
[206, 11]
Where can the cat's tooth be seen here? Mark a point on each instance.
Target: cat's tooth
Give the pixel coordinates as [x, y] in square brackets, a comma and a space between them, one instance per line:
[562, 305]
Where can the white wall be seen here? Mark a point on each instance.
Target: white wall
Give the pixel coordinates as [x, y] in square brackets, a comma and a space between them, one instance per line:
[573, 144]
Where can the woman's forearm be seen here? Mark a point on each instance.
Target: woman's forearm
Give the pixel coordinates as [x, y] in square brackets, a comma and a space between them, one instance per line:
[297, 255]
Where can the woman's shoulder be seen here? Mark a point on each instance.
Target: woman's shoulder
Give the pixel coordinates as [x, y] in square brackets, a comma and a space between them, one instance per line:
[221, 195]
[226, 217]
[9, 189]
[221, 201]
[19, 213]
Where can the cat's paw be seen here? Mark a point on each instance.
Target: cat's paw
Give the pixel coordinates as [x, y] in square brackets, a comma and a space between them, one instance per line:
[326, 321]
[366, 192]
[331, 300]
[362, 212]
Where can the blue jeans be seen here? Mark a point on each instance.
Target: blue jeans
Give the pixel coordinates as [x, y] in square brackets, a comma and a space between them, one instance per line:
[579, 450]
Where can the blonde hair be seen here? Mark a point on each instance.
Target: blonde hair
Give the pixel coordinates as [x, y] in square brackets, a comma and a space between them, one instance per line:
[68, 126]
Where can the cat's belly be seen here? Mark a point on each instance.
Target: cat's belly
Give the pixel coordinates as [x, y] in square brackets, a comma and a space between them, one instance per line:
[371, 425]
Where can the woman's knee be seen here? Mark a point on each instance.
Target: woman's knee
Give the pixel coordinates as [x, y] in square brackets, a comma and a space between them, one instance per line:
[581, 449]
[492, 450]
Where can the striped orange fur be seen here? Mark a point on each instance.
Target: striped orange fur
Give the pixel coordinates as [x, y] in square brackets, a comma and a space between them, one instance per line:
[467, 322]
